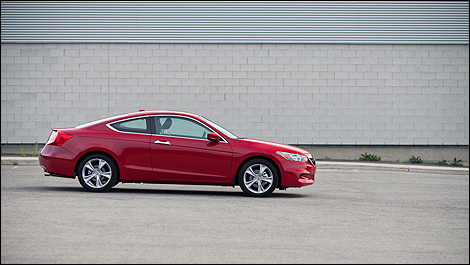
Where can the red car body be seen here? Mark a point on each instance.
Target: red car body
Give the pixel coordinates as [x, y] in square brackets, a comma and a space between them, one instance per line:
[152, 157]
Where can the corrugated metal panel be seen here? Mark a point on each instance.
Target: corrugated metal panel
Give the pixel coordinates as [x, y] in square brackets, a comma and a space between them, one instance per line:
[393, 22]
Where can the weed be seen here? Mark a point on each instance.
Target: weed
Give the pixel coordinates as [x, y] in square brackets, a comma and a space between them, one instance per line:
[15, 162]
[457, 162]
[22, 152]
[443, 162]
[35, 149]
[369, 157]
[414, 159]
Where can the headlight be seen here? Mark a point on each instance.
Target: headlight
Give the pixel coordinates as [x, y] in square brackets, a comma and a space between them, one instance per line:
[310, 156]
[293, 157]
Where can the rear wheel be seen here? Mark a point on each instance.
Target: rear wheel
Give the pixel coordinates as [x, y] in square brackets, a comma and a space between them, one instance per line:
[97, 172]
[258, 177]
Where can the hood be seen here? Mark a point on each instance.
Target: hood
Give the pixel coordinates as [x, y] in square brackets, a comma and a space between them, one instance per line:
[276, 146]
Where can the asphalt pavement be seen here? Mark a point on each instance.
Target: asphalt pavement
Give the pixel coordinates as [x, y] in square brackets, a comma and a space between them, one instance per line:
[349, 215]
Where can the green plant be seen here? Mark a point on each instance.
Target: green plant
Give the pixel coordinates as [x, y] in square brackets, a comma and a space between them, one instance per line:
[15, 162]
[414, 159]
[443, 162]
[457, 162]
[35, 149]
[22, 152]
[370, 157]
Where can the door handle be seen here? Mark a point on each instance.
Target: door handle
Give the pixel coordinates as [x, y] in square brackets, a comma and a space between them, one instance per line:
[161, 142]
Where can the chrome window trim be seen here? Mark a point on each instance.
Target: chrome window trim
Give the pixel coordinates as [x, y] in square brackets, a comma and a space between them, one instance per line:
[200, 139]
[131, 118]
[166, 115]
[91, 123]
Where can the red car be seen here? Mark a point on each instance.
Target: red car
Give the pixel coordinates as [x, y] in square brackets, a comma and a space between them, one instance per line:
[172, 147]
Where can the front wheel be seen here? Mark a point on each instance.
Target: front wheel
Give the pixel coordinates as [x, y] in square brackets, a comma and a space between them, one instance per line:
[258, 177]
[97, 172]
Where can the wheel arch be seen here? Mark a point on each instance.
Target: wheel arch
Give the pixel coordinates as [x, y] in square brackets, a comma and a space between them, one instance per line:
[235, 178]
[75, 171]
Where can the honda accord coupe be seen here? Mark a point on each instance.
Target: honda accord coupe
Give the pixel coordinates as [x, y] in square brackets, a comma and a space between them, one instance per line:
[172, 148]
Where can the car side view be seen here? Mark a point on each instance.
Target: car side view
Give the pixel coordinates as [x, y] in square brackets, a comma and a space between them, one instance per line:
[172, 148]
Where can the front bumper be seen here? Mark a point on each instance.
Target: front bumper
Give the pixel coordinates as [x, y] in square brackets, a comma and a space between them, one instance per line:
[297, 174]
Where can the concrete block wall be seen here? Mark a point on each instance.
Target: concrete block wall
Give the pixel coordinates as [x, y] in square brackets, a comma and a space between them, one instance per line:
[320, 94]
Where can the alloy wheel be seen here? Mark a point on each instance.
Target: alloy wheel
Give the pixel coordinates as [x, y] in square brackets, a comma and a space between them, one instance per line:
[258, 178]
[97, 173]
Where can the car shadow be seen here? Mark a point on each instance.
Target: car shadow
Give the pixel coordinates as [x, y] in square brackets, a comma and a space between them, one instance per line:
[156, 191]
[230, 193]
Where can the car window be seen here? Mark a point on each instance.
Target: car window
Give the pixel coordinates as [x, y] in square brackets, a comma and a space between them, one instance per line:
[180, 127]
[135, 125]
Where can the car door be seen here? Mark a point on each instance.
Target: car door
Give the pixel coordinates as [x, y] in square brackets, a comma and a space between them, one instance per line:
[130, 143]
[181, 152]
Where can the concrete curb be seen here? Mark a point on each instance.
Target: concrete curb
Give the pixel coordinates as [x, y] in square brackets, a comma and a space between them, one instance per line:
[20, 161]
[392, 167]
[33, 161]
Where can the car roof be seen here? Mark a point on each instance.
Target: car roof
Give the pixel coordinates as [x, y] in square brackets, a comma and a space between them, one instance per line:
[135, 114]
[160, 112]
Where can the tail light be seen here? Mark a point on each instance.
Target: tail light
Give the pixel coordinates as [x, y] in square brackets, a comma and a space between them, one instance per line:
[58, 138]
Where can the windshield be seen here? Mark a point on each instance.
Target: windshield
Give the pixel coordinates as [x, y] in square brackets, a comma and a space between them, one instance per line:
[219, 128]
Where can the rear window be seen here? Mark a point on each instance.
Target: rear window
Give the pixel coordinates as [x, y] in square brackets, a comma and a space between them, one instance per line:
[138, 125]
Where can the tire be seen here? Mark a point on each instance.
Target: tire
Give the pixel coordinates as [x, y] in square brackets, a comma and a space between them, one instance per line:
[258, 178]
[97, 172]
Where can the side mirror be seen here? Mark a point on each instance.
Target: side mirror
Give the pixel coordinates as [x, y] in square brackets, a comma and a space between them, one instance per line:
[213, 137]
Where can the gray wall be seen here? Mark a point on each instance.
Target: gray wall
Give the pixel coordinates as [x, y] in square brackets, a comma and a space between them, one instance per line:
[291, 93]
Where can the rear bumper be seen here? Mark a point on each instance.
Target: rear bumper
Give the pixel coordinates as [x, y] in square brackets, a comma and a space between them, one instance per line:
[57, 161]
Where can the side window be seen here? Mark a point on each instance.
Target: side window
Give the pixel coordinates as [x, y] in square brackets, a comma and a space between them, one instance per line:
[136, 126]
[180, 127]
